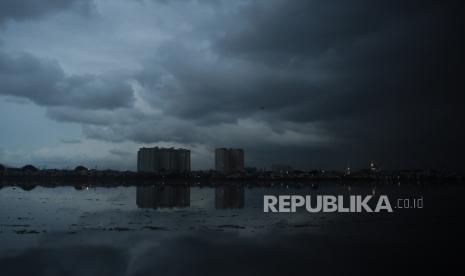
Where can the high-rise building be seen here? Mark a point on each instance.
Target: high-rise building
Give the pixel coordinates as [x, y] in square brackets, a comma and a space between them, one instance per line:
[229, 160]
[163, 160]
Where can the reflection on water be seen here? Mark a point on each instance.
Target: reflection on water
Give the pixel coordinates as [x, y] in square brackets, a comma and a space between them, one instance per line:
[229, 197]
[182, 230]
[163, 196]
[226, 197]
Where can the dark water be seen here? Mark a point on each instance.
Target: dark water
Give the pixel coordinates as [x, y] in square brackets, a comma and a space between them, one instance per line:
[182, 230]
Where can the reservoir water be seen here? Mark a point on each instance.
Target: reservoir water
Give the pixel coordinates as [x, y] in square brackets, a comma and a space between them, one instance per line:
[222, 230]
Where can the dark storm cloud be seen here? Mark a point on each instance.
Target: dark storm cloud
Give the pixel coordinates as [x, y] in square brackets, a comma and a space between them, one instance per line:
[32, 9]
[191, 86]
[322, 60]
[380, 77]
[306, 29]
[45, 83]
[311, 83]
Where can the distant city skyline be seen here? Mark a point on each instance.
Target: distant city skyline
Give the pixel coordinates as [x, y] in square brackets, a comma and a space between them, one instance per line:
[310, 84]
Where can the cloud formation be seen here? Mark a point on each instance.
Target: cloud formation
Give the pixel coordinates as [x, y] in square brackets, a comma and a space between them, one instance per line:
[45, 83]
[309, 83]
[30, 9]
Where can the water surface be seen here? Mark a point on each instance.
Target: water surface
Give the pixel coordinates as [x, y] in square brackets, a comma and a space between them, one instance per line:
[195, 230]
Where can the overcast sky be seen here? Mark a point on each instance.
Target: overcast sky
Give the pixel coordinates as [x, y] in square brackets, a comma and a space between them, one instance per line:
[313, 84]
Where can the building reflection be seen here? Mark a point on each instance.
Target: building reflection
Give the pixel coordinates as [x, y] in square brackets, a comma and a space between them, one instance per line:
[229, 197]
[163, 196]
